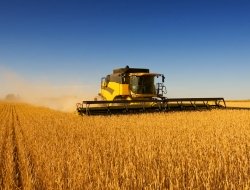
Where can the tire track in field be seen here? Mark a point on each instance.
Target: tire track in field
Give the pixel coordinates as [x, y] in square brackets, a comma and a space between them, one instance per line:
[10, 165]
[10, 170]
[16, 160]
[33, 180]
[3, 154]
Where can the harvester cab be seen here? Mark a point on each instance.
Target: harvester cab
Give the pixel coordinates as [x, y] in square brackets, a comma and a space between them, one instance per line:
[132, 84]
[136, 90]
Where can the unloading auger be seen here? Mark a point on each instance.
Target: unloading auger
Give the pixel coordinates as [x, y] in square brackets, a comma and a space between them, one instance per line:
[136, 90]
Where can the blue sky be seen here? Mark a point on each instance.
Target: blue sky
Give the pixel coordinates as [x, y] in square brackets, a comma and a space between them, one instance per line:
[202, 46]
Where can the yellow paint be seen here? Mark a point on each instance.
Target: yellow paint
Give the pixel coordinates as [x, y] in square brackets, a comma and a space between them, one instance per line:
[118, 90]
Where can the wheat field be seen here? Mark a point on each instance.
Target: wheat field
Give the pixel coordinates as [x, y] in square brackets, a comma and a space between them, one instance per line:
[45, 149]
[235, 103]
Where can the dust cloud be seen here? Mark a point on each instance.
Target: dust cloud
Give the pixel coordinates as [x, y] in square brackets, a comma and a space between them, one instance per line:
[58, 97]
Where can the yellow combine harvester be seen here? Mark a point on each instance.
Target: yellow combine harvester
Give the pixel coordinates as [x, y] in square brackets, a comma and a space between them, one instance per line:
[136, 90]
[131, 84]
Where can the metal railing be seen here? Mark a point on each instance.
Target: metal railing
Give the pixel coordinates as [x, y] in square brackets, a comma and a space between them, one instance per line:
[138, 106]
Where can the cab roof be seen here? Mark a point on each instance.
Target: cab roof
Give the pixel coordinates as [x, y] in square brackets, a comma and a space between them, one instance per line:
[127, 69]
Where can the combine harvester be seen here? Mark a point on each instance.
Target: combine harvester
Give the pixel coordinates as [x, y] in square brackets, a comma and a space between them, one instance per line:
[136, 90]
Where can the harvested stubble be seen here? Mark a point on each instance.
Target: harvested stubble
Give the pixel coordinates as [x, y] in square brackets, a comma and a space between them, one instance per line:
[44, 149]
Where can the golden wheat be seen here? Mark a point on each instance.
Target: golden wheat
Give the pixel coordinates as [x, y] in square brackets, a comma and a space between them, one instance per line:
[44, 149]
[235, 103]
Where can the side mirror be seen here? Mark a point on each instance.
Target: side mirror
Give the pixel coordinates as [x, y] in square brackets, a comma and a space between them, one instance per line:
[163, 78]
